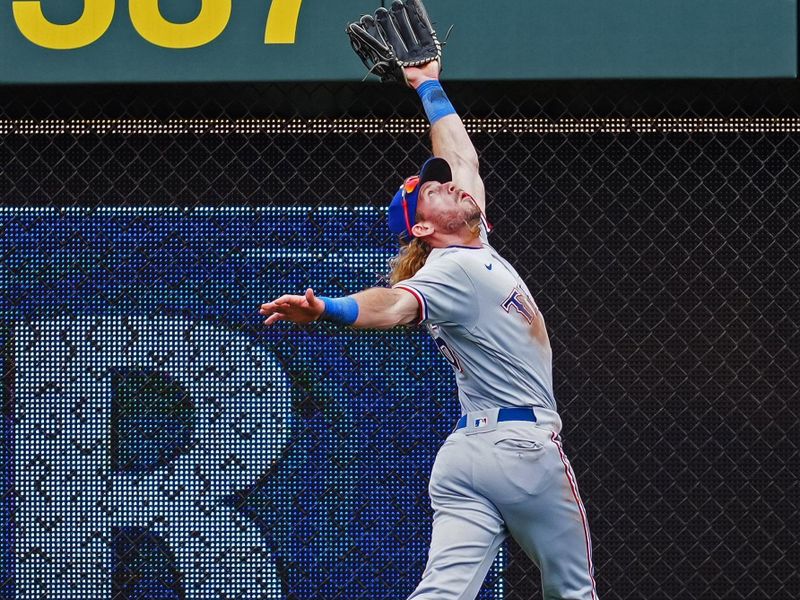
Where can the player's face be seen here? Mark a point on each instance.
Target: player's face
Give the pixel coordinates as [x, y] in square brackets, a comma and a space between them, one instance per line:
[447, 207]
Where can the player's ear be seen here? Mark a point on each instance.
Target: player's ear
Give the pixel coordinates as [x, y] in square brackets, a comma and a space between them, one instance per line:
[422, 229]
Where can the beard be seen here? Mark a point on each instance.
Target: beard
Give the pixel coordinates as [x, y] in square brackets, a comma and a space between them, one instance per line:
[469, 218]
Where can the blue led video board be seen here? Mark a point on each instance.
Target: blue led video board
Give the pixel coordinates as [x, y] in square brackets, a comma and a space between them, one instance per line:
[162, 443]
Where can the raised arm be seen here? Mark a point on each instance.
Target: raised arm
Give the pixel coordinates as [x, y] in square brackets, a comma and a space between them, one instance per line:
[451, 141]
[374, 308]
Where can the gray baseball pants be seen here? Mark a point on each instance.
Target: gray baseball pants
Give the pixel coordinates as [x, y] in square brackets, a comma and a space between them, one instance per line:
[497, 479]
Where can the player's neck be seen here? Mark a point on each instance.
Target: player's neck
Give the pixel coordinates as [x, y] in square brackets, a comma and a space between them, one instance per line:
[462, 239]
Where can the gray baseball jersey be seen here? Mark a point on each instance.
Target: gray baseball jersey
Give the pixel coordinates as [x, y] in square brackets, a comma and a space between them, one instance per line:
[494, 477]
[485, 322]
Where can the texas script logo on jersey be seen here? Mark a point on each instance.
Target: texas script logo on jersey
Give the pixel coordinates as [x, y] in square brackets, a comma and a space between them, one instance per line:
[522, 303]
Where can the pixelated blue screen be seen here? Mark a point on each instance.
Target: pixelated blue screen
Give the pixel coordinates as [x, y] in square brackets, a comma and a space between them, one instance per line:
[163, 443]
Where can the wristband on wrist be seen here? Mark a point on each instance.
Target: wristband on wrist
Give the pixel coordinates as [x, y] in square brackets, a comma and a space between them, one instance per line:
[343, 311]
[434, 100]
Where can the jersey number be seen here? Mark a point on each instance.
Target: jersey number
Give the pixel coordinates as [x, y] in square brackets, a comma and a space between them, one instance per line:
[448, 353]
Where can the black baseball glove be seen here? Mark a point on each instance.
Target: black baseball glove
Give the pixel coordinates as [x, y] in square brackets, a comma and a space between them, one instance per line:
[401, 36]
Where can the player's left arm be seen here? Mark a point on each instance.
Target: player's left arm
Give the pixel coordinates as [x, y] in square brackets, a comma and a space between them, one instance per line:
[373, 308]
[449, 137]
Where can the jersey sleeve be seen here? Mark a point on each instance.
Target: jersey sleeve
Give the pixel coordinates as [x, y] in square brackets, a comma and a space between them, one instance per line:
[444, 292]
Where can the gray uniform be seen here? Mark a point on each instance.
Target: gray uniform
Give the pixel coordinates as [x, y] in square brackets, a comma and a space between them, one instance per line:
[491, 478]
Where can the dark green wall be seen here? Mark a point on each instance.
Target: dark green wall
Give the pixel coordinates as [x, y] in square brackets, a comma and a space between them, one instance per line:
[532, 39]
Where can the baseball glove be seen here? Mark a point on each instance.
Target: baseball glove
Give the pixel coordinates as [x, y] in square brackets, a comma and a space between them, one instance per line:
[401, 36]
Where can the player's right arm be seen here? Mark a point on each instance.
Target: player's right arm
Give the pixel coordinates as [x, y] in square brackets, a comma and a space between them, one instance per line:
[374, 308]
[451, 141]
[383, 308]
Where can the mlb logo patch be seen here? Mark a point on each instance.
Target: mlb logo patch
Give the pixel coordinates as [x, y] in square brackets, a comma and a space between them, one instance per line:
[482, 422]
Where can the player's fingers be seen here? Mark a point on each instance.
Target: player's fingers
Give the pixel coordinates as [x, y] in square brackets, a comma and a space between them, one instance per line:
[275, 317]
[283, 299]
[266, 308]
[293, 300]
[271, 307]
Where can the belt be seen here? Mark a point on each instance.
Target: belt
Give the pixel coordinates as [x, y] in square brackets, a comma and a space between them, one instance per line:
[516, 413]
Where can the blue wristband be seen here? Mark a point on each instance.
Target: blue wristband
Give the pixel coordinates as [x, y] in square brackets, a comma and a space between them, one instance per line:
[434, 101]
[343, 311]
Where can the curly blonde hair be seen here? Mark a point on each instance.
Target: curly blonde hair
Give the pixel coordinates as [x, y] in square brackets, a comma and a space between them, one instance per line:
[408, 261]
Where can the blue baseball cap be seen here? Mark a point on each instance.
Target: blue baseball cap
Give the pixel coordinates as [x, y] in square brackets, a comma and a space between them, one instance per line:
[403, 206]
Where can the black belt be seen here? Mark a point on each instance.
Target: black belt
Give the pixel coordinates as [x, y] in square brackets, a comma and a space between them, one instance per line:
[515, 413]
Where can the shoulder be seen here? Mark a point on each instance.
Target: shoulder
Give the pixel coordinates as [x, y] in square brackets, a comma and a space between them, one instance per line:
[458, 259]
[473, 267]
[442, 260]
[448, 267]
[463, 255]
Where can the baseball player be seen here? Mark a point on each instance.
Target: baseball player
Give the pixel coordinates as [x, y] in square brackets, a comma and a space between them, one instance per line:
[502, 471]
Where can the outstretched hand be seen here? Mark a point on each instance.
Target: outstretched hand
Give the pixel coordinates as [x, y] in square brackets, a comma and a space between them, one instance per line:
[298, 309]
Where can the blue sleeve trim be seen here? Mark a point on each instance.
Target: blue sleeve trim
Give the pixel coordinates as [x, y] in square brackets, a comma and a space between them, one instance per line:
[420, 297]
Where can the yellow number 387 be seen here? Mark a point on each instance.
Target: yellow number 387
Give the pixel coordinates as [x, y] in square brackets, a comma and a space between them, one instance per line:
[149, 23]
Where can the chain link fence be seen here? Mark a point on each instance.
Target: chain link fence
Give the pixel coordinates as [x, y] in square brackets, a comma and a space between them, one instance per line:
[159, 443]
